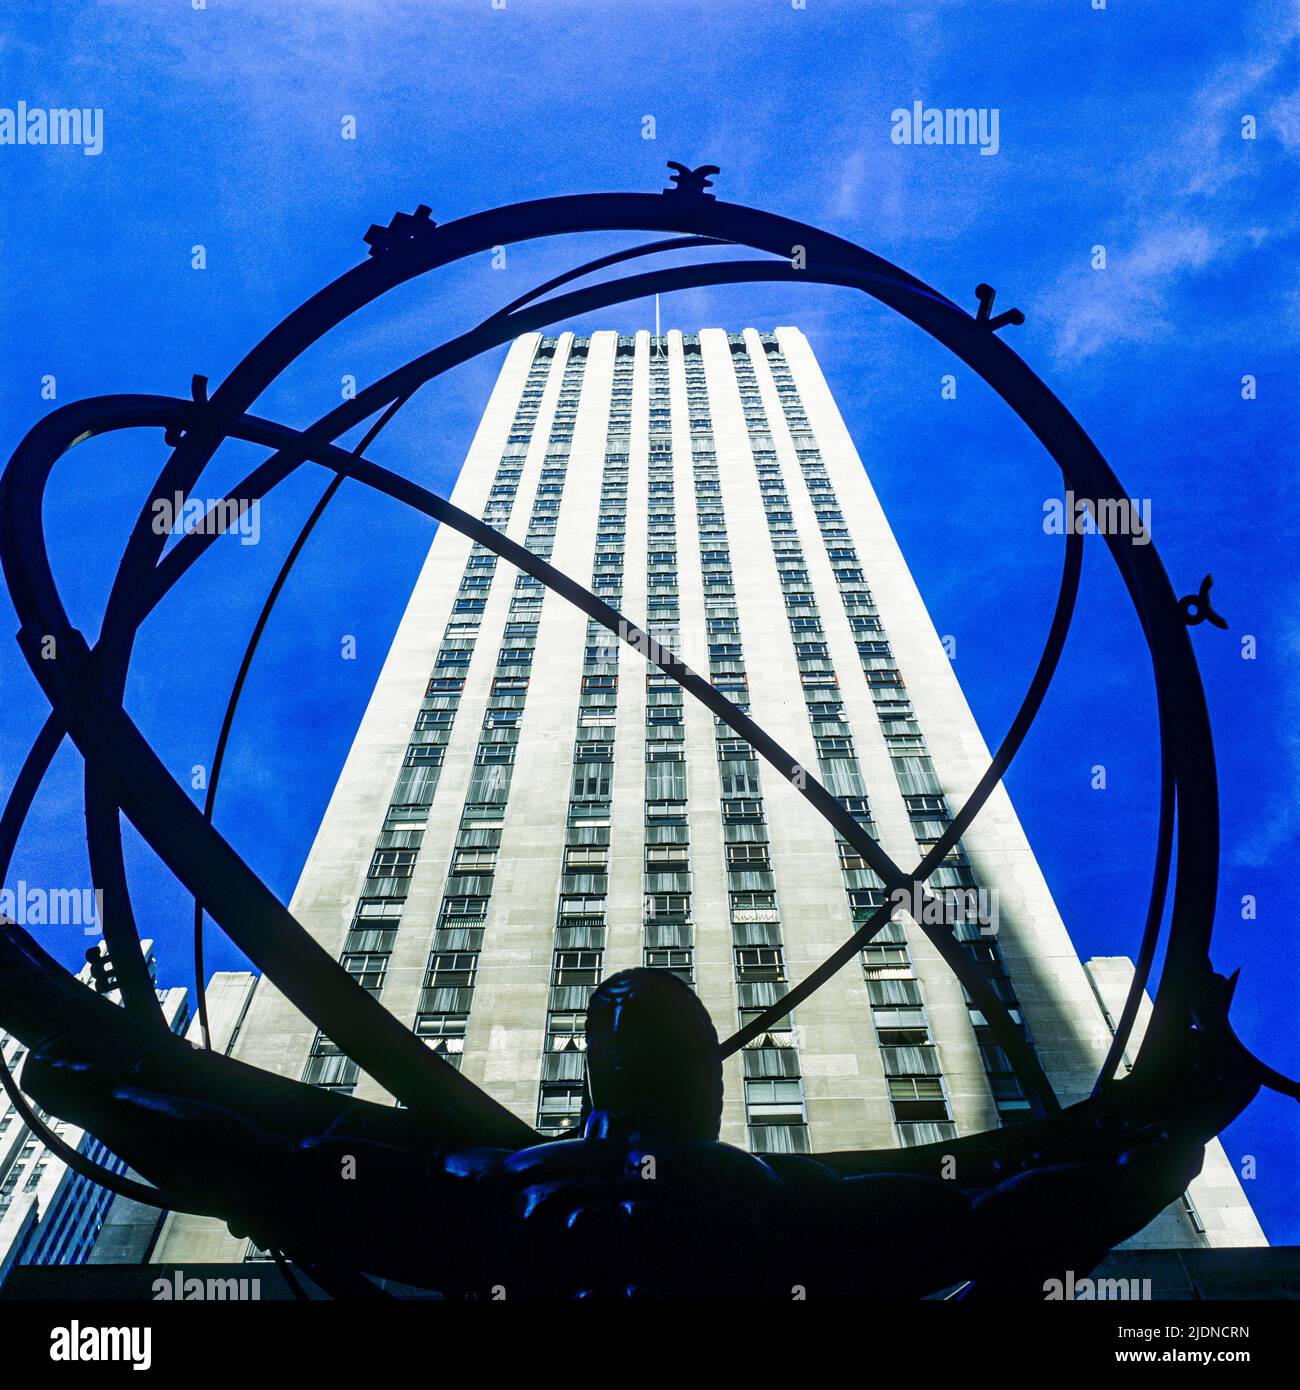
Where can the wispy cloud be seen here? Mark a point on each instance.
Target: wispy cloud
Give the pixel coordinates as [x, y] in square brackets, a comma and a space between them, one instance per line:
[1191, 208]
[1127, 301]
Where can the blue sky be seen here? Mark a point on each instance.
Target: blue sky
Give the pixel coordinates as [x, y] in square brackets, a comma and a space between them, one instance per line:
[1119, 128]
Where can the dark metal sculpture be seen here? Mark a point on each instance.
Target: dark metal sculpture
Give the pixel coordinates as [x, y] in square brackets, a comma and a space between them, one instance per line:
[647, 1203]
[453, 1161]
[1196, 608]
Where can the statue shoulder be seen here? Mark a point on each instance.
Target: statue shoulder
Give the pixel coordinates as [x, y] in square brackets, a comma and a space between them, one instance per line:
[800, 1172]
[470, 1162]
[639, 1156]
[698, 1162]
[559, 1159]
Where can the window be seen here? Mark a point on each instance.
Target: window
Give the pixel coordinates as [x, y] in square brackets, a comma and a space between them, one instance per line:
[760, 963]
[918, 1098]
[586, 857]
[452, 970]
[393, 863]
[474, 861]
[865, 902]
[442, 1032]
[577, 968]
[459, 911]
[378, 907]
[667, 907]
[901, 1037]
[677, 962]
[773, 1101]
[851, 860]
[423, 755]
[886, 963]
[560, 1105]
[667, 856]
[566, 1033]
[367, 969]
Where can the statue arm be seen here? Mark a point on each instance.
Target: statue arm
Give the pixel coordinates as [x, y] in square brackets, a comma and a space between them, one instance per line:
[294, 1167]
[356, 1194]
[874, 1235]
[1043, 1222]
[907, 1234]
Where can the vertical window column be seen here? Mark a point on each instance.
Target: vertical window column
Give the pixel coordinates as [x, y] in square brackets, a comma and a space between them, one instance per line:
[913, 1074]
[668, 939]
[954, 880]
[369, 943]
[774, 1105]
[452, 970]
[579, 949]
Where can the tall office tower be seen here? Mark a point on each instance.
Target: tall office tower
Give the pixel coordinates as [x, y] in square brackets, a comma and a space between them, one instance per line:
[49, 1214]
[529, 805]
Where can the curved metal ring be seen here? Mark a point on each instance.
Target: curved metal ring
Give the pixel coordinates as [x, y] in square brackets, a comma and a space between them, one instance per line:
[198, 428]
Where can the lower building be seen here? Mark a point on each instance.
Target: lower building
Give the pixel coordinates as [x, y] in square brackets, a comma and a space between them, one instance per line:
[1215, 1204]
[48, 1213]
[131, 1229]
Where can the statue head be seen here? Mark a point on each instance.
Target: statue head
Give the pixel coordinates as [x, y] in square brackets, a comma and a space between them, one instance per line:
[653, 1064]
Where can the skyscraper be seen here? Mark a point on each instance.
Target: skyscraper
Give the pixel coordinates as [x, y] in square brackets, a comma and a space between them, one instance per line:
[529, 805]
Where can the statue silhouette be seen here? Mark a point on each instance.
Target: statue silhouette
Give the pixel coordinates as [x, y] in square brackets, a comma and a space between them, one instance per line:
[646, 1202]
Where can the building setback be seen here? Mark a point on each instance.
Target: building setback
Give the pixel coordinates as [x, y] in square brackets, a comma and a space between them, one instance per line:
[530, 806]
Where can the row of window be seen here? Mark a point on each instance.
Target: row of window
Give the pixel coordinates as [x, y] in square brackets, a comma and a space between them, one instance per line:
[668, 940]
[367, 950]
[927, 806]
[774, 1104]
[579, 947]
[442, 1014]
[914, 1079]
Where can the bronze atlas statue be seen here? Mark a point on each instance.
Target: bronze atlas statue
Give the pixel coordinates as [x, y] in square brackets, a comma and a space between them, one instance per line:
[448, 1190]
